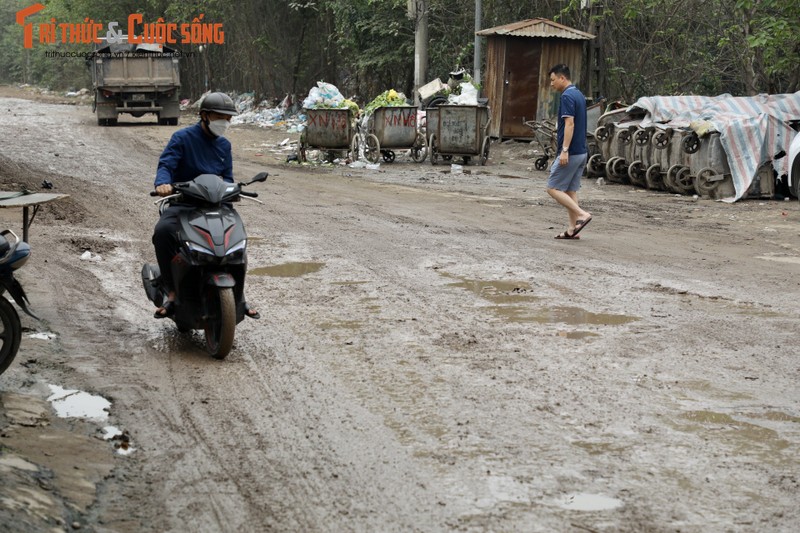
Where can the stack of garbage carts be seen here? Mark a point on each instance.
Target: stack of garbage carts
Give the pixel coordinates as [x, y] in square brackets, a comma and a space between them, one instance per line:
[721, 147]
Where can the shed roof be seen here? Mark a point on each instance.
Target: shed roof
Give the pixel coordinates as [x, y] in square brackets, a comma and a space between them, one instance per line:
[537, 28]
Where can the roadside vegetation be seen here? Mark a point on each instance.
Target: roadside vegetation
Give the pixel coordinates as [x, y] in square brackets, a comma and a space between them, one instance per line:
[273, 47]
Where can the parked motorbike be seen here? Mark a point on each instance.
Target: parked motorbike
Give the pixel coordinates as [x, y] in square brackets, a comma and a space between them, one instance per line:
[209, 270]
[13, 255]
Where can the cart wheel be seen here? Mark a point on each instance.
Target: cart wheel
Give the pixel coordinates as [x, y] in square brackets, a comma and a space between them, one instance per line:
[601, 133]
[420, 149]
[447, 157]
[661, 140]
[691, 143]
[433, 149]
[372, 148]
[388, 156]
[465, 160]
[703, 184]
[354, 145]
[485, 150]
[596, 166]
[540, 163]
[636, 173]
[610, 169]
[653, 177]
[684, 181]
[669, 178]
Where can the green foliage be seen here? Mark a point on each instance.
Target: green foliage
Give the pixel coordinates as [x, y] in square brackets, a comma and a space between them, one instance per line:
[366, 46]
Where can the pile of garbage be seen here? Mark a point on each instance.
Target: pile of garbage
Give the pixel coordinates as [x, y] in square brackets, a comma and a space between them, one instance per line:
[327, 96]
[264, 114]
[390, 98]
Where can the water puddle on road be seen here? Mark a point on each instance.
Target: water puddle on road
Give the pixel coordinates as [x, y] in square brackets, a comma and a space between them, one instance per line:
[498, 292]
[287, 270]
[342, 324]
[589, 502]
[743, 438]
[572, 316]
[509, 298]
[78, 404]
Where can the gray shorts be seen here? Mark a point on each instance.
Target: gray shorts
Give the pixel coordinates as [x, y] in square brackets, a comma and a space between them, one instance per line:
[567, 178]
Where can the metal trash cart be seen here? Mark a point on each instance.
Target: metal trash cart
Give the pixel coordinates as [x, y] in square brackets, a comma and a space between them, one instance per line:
[27, 200]
[393, 127]
[544, 135]
[459, 130]
[331, 130]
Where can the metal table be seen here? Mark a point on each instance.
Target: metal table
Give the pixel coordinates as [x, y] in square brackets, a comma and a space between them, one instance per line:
[27, 200]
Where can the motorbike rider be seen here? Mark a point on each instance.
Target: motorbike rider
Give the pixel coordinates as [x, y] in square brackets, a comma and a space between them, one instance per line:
[198, 149]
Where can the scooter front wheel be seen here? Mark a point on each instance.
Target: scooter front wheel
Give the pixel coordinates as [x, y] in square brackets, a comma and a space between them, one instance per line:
[10, 334]
[220, 322]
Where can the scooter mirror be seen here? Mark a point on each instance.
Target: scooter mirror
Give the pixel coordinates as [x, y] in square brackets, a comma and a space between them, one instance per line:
[261, 176]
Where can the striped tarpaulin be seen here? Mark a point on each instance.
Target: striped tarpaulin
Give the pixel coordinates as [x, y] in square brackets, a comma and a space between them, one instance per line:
[752, 129]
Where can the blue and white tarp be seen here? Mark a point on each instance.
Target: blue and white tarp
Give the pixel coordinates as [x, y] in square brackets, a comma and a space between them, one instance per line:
[752, 129]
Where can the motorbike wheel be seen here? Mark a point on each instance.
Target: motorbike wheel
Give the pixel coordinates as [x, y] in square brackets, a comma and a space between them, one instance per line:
[10, 335]
[221, 322]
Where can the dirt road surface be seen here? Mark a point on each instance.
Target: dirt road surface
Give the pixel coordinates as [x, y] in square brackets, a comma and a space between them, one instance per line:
[430, 358]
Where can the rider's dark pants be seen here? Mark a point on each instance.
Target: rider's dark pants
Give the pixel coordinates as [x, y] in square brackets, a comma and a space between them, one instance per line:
[165, 240]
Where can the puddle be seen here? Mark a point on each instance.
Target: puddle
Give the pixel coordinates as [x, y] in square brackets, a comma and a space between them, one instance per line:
[504, 294]
[78, 404]
[287, 270]
[743, 438]
[573, 316]
[497, 292]
[599, 448]
[122, 441]
[708, 389]
[589, 502]
[342, 324]
[780, 259]
[577, 334]
[43, 336]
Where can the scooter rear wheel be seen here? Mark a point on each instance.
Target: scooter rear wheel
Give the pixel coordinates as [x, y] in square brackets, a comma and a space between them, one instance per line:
[221, 321]
[10, 335]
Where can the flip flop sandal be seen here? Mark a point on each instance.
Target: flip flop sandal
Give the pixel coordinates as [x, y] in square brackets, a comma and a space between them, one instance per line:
[580, 224]
[169, 310]
[566, 236]
[247, 312]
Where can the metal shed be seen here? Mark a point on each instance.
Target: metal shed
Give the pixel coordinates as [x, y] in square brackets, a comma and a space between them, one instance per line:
[516, 81]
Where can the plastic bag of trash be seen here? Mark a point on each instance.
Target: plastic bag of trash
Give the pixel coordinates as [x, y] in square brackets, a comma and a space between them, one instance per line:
[468, 96]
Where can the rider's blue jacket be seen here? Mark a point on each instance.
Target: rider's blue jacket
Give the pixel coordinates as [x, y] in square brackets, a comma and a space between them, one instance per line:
[190, 152]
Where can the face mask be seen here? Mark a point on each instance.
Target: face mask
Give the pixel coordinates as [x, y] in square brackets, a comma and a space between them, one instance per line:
[218, 127]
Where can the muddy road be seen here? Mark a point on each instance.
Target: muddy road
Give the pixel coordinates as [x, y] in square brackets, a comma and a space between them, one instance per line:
[430, 358]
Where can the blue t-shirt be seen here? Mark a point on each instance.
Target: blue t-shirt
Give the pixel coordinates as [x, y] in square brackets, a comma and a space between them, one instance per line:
[573, 104]
[190, 152]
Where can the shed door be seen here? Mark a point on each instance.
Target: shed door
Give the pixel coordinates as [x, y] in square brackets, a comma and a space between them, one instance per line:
[521, 86]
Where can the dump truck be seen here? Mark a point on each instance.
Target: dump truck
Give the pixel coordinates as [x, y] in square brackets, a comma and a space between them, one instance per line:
[136, 79]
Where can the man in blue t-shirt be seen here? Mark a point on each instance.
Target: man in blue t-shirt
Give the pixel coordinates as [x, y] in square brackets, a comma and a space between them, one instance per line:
[566, 171]
[198, 149]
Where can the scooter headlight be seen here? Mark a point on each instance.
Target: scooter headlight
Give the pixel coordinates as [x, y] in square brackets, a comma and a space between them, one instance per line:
[238, 247]
[199, 253]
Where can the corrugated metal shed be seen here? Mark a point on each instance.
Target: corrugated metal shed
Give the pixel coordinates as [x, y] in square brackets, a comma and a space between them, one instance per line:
[517, 83]
[537, 28]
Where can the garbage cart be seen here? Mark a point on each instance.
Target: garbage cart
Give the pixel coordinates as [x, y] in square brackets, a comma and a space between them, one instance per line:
[392, 128]
[331, 130]
[459, 130]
